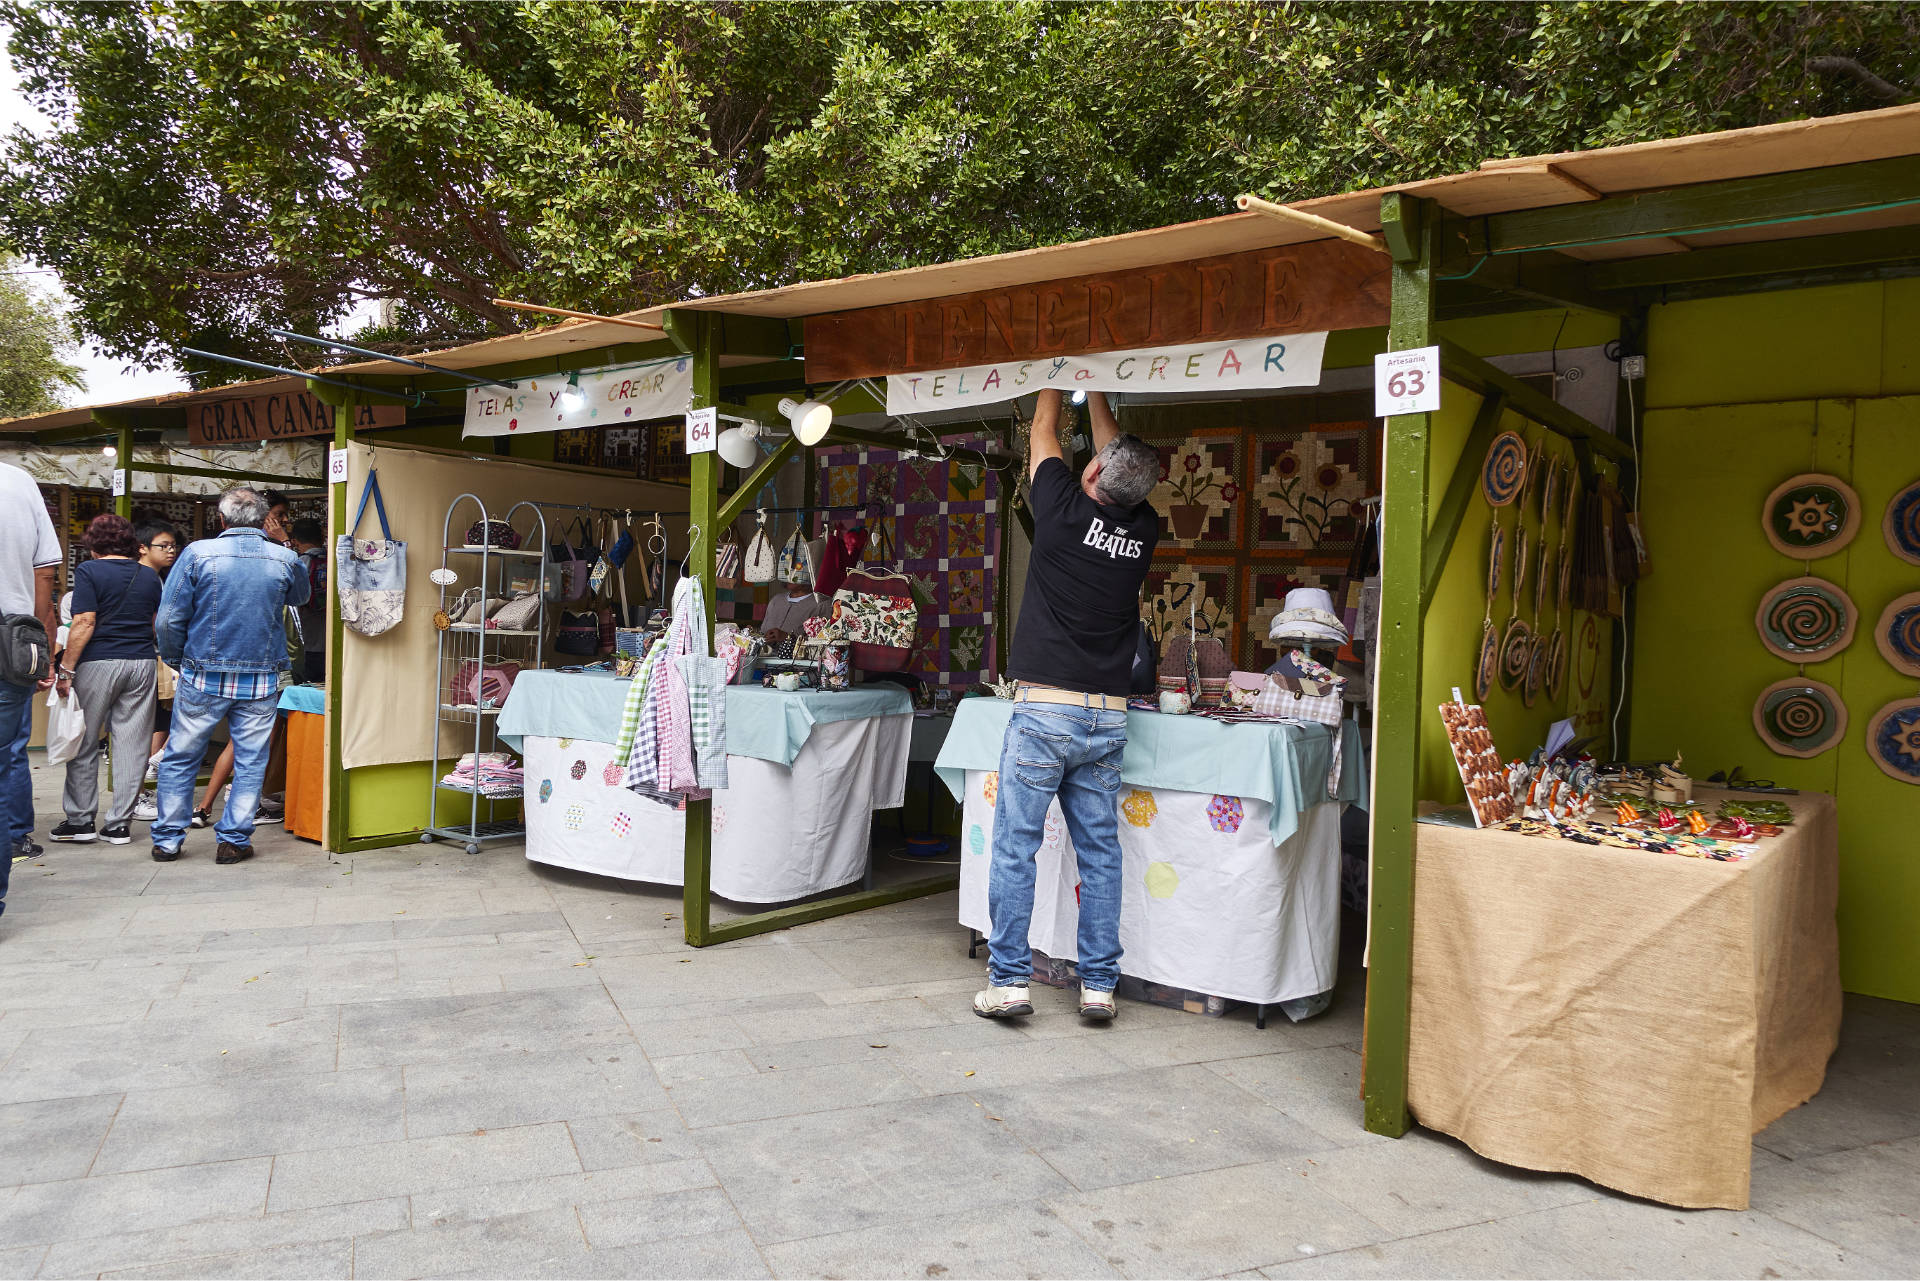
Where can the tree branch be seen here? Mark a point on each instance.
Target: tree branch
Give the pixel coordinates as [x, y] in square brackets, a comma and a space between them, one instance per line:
[1885, 90]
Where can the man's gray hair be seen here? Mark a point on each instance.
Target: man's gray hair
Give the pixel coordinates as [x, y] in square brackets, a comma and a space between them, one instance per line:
[243, 507]
[1129, 469]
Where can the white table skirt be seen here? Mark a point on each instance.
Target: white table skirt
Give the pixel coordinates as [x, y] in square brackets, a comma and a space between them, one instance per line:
[779, 832]
[1209, 904]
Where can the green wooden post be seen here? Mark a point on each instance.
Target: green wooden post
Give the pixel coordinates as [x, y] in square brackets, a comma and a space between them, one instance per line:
[1412, 228]
[337, 835]
[702, 331]
[121, 424]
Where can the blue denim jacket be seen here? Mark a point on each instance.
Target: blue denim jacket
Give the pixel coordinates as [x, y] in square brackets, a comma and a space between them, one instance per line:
[222, 609]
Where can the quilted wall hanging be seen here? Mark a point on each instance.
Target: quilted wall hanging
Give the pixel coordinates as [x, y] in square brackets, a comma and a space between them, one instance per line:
[943, 520]
[1256, 498]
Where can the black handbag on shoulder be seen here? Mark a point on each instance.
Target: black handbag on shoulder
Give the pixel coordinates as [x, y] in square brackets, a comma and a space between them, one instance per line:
[25, 655]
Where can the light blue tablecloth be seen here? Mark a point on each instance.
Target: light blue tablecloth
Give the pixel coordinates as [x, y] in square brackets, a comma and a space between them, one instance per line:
[311, 699]
[1283, 765]
[762, 723]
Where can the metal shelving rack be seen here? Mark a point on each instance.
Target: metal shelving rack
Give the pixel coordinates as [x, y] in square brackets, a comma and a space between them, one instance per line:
[470, 642]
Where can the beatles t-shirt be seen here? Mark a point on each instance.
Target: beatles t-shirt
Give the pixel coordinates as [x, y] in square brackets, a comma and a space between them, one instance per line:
[1080, 618]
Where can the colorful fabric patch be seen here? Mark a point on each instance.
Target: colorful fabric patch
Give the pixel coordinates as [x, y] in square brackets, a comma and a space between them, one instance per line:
[579, 770]
[1055, 832]
[1139, 808]
[576, 814]
[611, 774]
[977, 839]
[546, 790]
[990, 786]
[565, 743]
[1162, 880]
[719, 817]
[1224, 813]
[621, 822]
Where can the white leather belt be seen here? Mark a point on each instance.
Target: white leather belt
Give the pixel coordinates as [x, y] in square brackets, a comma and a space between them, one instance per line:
[1072, 698]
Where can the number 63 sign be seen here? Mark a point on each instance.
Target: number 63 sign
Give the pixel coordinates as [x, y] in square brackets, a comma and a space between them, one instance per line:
[1406, 382]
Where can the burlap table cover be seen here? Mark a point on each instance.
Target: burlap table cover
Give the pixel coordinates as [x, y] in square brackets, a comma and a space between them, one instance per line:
[1630, 1017]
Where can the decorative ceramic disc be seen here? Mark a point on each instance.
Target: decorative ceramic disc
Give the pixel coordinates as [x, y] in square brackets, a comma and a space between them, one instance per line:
[1556, 664]
[1516, 651]
[1519, 563]
[1812, 515]
[1566, 577]
[1505, 471]
[1587, 664]
[1488, 664]
[1898, 634]
[1549, 494]
[1541, 577]
[1805, 620]
[1496, 555]
[1536, 671]
[1893, 739]
[1799, 717]
[1901, 524]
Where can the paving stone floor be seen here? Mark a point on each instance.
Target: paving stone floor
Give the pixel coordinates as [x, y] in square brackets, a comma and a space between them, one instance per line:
[414, 1063]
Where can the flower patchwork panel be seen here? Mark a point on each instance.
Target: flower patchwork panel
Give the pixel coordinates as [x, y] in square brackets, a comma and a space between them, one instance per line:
[1200, 494]
[941, 520]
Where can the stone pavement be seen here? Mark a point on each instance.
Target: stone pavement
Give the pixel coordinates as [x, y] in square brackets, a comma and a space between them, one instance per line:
[414, 1063]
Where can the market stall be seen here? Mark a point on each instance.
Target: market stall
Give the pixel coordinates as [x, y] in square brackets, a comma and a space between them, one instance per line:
[806, 770]
[1231, 846]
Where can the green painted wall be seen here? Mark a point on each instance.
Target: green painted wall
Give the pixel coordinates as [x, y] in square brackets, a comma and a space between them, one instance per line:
[1747, 392]
[385, 799]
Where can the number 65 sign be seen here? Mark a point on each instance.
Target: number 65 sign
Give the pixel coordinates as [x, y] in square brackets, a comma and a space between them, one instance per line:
[1406, 382]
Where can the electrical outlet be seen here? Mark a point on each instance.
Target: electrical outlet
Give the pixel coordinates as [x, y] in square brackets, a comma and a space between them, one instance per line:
[1633, 368]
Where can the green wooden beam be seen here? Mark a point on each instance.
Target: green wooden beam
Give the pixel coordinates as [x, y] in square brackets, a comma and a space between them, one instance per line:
[1801, 195]
[700, 330]
[742, 497]
[1412, 227]
[1765, 258]
[1461, 488]
[1541, 279]
[781, 918]
[120, 423]
[337, 838]
[755, 336]
[860, 436]
[1463, 367]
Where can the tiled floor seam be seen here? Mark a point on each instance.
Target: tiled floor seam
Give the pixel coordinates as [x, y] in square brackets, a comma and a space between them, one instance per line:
[101, 1146]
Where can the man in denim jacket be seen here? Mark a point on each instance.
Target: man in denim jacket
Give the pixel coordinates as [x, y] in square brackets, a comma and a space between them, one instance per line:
[221, 627]
[1073, 651]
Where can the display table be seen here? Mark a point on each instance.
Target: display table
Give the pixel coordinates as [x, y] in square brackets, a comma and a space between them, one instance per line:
[305, 707]
[1631, 1017]
[1231, 848]
[805, 772]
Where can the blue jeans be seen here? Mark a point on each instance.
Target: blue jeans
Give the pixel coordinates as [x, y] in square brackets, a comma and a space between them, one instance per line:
[1072, 752]
[195, 713]
[16, 784]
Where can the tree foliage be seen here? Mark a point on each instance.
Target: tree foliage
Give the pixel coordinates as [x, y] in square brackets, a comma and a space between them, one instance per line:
[35, 338]
[216, 168]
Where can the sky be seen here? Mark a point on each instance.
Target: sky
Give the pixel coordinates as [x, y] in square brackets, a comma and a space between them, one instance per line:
[107, 380]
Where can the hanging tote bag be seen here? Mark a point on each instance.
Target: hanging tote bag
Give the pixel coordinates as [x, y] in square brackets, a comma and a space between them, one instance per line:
[875, 610]
[761, 558]
[726, 563]
[575, 567]
[371, 572]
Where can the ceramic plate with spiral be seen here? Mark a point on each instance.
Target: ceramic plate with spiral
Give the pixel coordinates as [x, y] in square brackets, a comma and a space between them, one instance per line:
[1893, 739]
[1516, 651]
[1898, 634]
[1901, 524]
[1489, 663]
[1810, 516]
[1536, 671]
[1556, 664]
[1805, 620]
[1505, 472]
[1799, 717]
[1496, 555]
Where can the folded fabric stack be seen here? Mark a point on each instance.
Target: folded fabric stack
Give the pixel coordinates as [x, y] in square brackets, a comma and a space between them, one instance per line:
[488, 773]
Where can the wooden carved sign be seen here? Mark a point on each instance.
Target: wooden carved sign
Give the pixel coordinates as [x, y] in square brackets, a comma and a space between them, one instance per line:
[278, 416]
[1323, 285]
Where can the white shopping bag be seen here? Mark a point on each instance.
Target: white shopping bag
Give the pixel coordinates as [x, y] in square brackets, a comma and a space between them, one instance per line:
[66, 726]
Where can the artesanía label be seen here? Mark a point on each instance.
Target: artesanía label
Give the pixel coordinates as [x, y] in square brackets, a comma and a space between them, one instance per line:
[605, 398]
[1287, 360]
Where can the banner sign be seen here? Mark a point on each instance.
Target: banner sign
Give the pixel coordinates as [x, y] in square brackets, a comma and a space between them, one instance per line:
[1288, 289]
[605, 398]
[1288, 360]
[278, 416]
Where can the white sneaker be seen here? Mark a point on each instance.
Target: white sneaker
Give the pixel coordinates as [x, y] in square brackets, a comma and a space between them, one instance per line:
[147, 808]
[153, 770]
[1094, 1004]
[1003, 1002]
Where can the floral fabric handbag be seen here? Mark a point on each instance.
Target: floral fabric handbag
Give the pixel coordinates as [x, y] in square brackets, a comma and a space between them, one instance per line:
[875, 610]
[493, 533]
[371, 573]
[761, 559]
[483, 683]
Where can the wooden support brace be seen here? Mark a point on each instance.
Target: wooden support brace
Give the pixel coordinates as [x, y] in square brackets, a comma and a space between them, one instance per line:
[1312, 222]
[1463, 367]
[742, 499]
[1460, 490]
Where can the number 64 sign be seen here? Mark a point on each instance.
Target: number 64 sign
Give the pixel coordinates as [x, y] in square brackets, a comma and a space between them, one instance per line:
[1406, 382]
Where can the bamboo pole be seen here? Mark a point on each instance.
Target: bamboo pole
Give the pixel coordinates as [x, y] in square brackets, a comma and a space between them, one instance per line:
[578, 315]
[1326, 226]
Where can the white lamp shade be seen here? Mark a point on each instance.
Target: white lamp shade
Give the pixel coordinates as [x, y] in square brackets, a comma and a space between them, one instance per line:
[736, 445]
[810, 419]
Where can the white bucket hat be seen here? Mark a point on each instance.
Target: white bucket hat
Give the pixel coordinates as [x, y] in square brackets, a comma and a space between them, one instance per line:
[1308, 619]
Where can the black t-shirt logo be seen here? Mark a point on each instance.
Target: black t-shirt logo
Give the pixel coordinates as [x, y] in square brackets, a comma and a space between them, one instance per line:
[1115, 543]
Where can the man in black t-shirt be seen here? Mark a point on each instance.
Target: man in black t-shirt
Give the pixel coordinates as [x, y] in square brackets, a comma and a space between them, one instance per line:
[1073, 649]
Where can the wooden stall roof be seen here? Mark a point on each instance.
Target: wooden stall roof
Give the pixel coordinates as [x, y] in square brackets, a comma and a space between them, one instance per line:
[1497, 186]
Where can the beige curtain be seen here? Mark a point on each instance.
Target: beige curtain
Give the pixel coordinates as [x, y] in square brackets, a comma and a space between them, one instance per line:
[387, 694]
